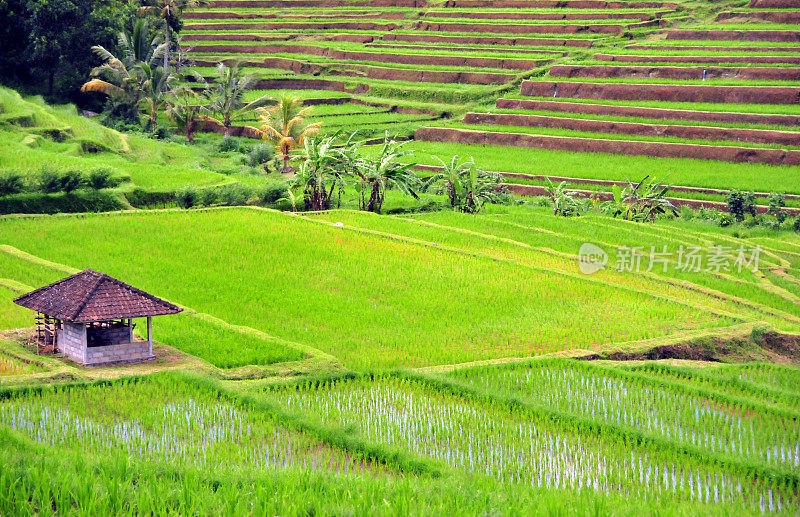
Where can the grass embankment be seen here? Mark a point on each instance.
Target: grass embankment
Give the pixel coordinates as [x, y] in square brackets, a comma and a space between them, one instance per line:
[242, 291]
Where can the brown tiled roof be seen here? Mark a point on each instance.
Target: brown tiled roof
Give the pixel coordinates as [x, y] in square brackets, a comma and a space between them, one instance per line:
[92, 296]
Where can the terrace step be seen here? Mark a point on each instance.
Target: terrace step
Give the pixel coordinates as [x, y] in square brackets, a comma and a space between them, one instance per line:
[733, 35]
[376, 72]
[224, 15]
[762, 60]
[486, 28]
[767, 16]
[488, 15]
[712, 49]
[353, 26]
[378, 45]
[353, 38]
[609, 183]
[760, 136]
[535, 190]
[487, 40]
[664, 92]
[407, 59]
[653, 113]
[423, 4]
[775, 4]
[598, 145]
[676, 72]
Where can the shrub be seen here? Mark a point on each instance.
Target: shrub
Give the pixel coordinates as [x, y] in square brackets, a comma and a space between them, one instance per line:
[161, 133]
[725, 220]
[186, 197]
[230, 144]
[272, 192]
[234, 194]
[207, 197]
[37, 203]
[71, 181]
[48, 181]
[776, 204]
[741, 204]
[796, 225]
[260, 154]
[100, 178]
[11, 183]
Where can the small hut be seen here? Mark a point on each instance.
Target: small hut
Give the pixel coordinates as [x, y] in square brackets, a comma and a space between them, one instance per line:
[89, 318]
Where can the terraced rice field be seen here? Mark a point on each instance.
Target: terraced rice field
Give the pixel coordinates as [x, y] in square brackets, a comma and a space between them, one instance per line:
[573, 78]
[287, 315]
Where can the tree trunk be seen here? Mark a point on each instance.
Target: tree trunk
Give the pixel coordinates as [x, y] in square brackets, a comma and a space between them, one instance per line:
[166, 49]
[190, 132]
[226, 124]
[374, 204]
[285, 163]
[153, 119]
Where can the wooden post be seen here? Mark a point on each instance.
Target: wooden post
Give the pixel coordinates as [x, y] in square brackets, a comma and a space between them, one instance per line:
[150, 334]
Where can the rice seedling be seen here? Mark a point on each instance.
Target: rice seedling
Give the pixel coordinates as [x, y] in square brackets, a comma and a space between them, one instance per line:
[710, 422]
[164, 420]
[517, 449]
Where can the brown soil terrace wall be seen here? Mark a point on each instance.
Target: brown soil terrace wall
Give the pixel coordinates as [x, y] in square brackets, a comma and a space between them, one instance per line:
[529, 29]
[775, 4]
[406, 59]
[487, 40]
[713, 49]
[677, 72]
[733, 35]
[464, 49]
[510, 4]
[488, 15]
[658, 113]
[376, 72]
[596, 145]
[760, 136]
[789, 60]
[665, 92]
[219, 15]
[767, 16]
[355, 26]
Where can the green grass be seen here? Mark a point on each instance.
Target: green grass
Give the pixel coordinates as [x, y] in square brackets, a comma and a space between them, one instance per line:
[262, 278]
[674, 171]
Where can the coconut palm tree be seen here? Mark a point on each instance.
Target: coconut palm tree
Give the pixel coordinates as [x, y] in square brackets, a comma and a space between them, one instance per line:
[184, 110]
[226, 94]
[155, 85]
[134, 78]
[170, 11]
[385, 171]
[285, 124]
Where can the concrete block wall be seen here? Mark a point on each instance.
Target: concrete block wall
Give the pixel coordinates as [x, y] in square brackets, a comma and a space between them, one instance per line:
[71, 341]
[126, 352]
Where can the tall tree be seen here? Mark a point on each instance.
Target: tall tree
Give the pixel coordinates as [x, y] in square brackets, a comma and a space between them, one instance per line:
[45, 43]
[184, 110]
[285, 124]
[170, 11]
[226, 93]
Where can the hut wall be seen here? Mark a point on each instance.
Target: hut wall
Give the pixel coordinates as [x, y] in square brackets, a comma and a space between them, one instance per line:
[72, 341]
[123, 353]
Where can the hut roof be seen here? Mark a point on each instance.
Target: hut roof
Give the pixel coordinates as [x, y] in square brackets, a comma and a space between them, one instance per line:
[92, 296]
